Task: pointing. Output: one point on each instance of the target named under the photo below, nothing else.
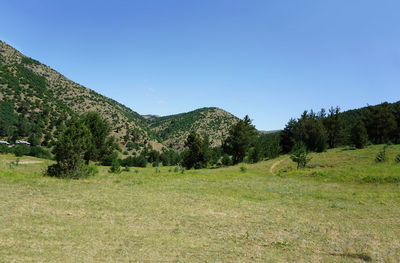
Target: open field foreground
(329, 213)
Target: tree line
(87, 138)
(318, 131)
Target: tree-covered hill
(173, 130)
(35, 100)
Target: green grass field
(328, 213)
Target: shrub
(115, 167)
(39, 152)
(56, 170)
(381, 156)
(300, 155)
(226, 160)
(179, 168)
(397, 159)
(21, 150)
(3, 148)
(139, 161)
(108, 159)
(243, 169)
(91, 170)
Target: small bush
(381, 157)
(139, 161)
(115, 167)
(91, 169)
(56, 170)
(3, 148)
(39, 152)
(243, 169)
(226, 160)
(300, 155)
(179, 168)
(21, 150)
(381, 179)
(397, 159)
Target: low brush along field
(346, 208)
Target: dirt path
(271, 169)
(26, 162)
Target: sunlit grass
(216, 215)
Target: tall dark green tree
(101, 144)
(334, 127)
(197, 154)
(70, 151)
(381, 123)
(288, 136)
(308, 129)
(312, 132)
(270, 144)
(359, 135)
(242, 136)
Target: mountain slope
(41, 98)
(174, 129)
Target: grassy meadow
(346, 208)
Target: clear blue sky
(268, 59)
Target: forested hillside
(318, 131)
(35, 100)
(174, 129)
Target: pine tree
(381, 124)
(242, 136)
(197, 154)
(101, 144)
(334, 127)
(70, 150)
(359, 136)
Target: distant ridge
(173, 130)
